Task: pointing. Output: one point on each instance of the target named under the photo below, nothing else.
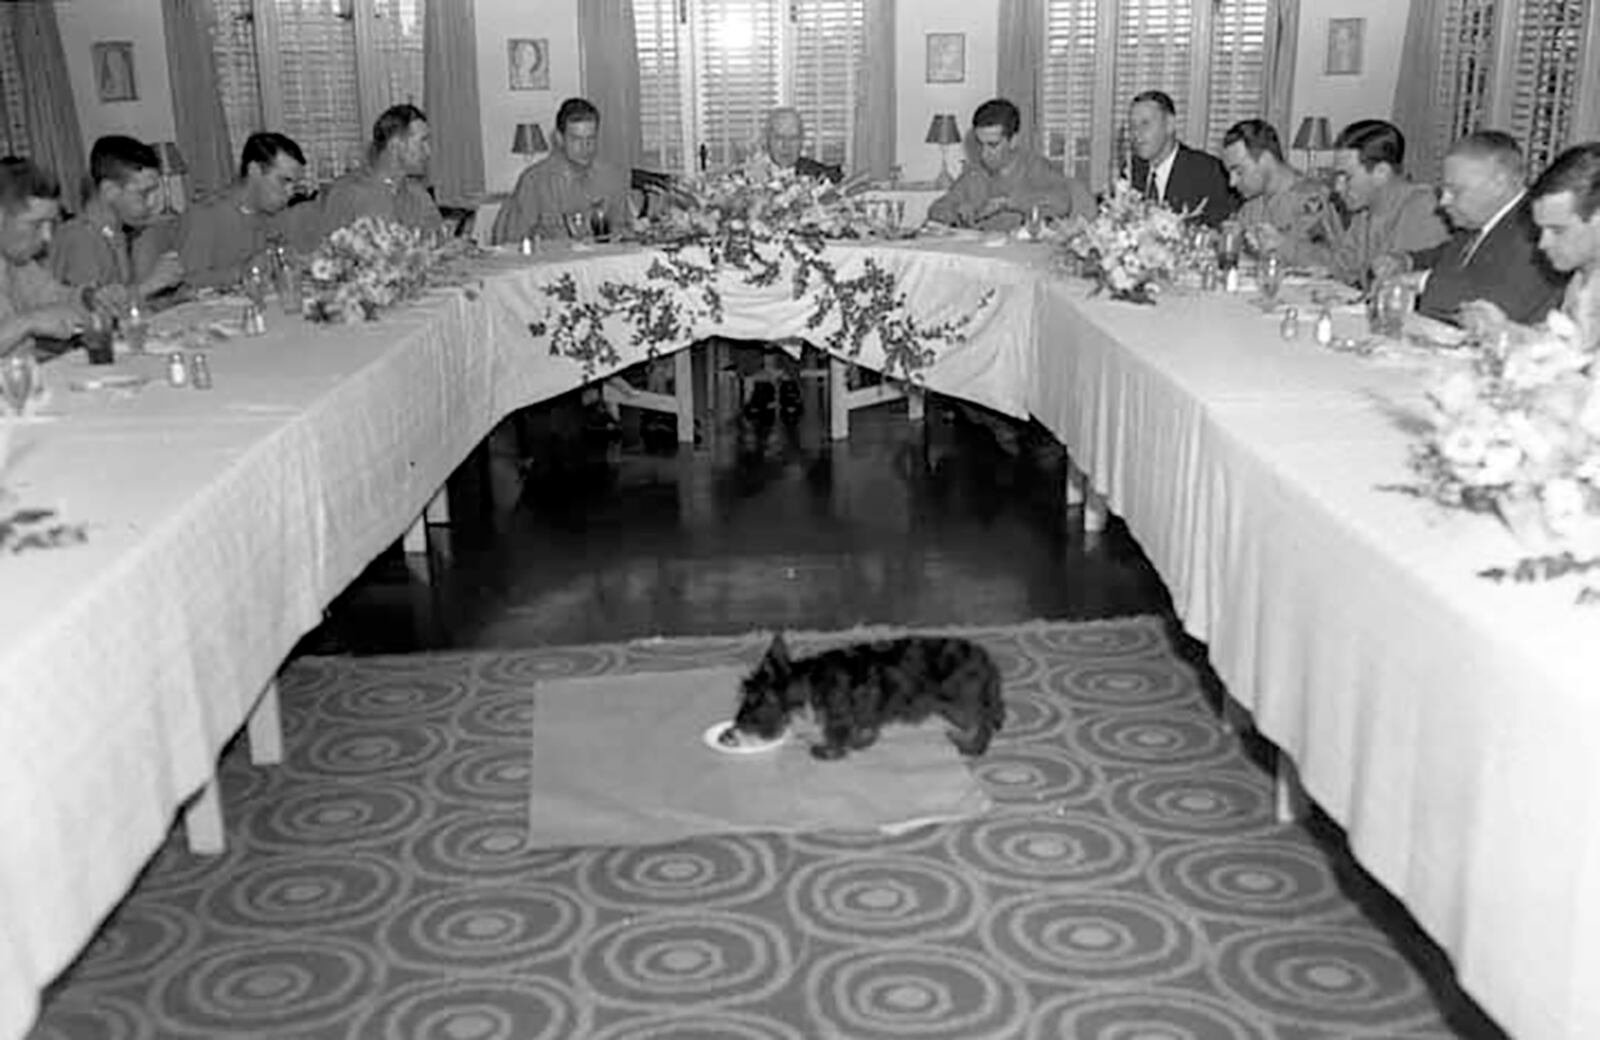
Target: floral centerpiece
(765, 202)
(364, 267)
(1518, 434)
(762, 226)
(1131, 248)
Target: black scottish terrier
(853, 691)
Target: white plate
(745, 747)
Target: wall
(86, 22)
(916, 101)
(1344, 99)
(503, 108)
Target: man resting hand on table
(999, 191)
(32, 302)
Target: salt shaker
(1323, 330)
(1290, 329)
(1230, 280)
(177, 369)
(254, 321)
(199, 371)
(529, 247)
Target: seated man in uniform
(94, 249)
(570, 180)
(32, 302)
(1284, 211)
(390, 186)
(220, 238)
(1008, 181)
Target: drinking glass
(97, 339)
(256, 284)
(1392, 302)
(599, 221)
(18, 377)
(577, 225)
(1271, 277)
(1230, 243)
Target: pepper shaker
(1323, 330)
(1290, 329)
(199, 371)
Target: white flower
(1564, 505)
(1499, 465)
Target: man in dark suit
(1493, 254)
(785, 137)
(1186, 179)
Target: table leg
(266, 728)
(683, 390)
(1284, 796)
(1077, 480)
(437, 510)
(838, 400)
(916, 403)
(202, 821)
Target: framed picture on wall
(1346, 37)
(113, 71)
(529, 62)
(947, 58)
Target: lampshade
(943, 130)
(1313, 134)
(529, 140)
(171, 160)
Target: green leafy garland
(680, 291)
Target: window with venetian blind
(320, 71)
(1528, 67)
(13, 112)
(710, 70)
(1209, 55)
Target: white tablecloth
(221, 522)
(1450, 724)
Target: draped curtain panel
(1021, 57)
(609, 51)
(872, 147)
(450, 98)
(1277, 78)
(50, 112)
(202, 126)
(1416, 97)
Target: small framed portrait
(113, 71)
(529, 62)
(947, 58)
(1346, 38)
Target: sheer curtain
(873, 146)
(1416, 97)
(202, 127)
(49, 111)
(1022, 43)
(609, 51)
(1277, 77)
(450, 98)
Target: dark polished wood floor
(615, 535)
(767, 525)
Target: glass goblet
(256, 284)
(577, 225)
(1271, 277)
(1230, 243)
(18, 379)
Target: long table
(1450, 724)
(1444, 721)
(220, 524)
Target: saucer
(746, 746)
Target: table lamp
(944, 132)
(172, 170)
(529, 140)
(1313, 136)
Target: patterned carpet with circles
(1131, 883)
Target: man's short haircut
(263, 150)
(395, 122)
(116, 158)
(1494, 145)
(1159, 98)
(1257, 136)
(576, 110)
(784, 112)
(1576, 170)
(21, 180)
(1374, 141)
(998, 112)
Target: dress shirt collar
(1161, 171)
(1491, 224)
